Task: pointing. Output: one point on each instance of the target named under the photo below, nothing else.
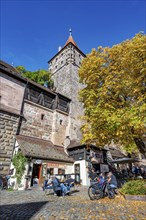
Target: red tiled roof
(71, 40)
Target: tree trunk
(141, 145)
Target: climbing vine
(19, 161)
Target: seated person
(59, 188)
(112, 180)
(70, 181)
(101, 180)
(56, 184)
(65, 189)
(93, 176)
(48, 183)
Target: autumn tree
(114, 94)
(40, 76)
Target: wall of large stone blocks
(37, 121)
(11, 94)
(64, 68)
(59, 127)
(8, 128)
(62, 80)
(66, 81)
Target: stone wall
(37, 121)
(66, 81)
(8, 128)
(59, 127)
(64, 68)
(51, 127)
(11, 94)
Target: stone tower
(64, 67)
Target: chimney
(59, 48)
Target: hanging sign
(56, 165)
(37, 162)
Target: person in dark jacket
(70, 181)
(112, 180)
(92, 175)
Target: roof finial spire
(70, 32)
(70, 39)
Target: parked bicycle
(97, 191)
(4, 182)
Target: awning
(125, 160)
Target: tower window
(42, 116)
(61, 121)
(56, 67)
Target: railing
(63, 177)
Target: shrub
(134, 187)
(19, 161)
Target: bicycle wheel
(93, 193)
(1, 185)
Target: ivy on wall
(19, 161)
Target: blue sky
(32, 30)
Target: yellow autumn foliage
(114, 95)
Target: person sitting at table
(70, 181)
(48, 183)
(59, 188)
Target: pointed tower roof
(70, 39)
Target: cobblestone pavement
(34, 204)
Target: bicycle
(98, 191)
